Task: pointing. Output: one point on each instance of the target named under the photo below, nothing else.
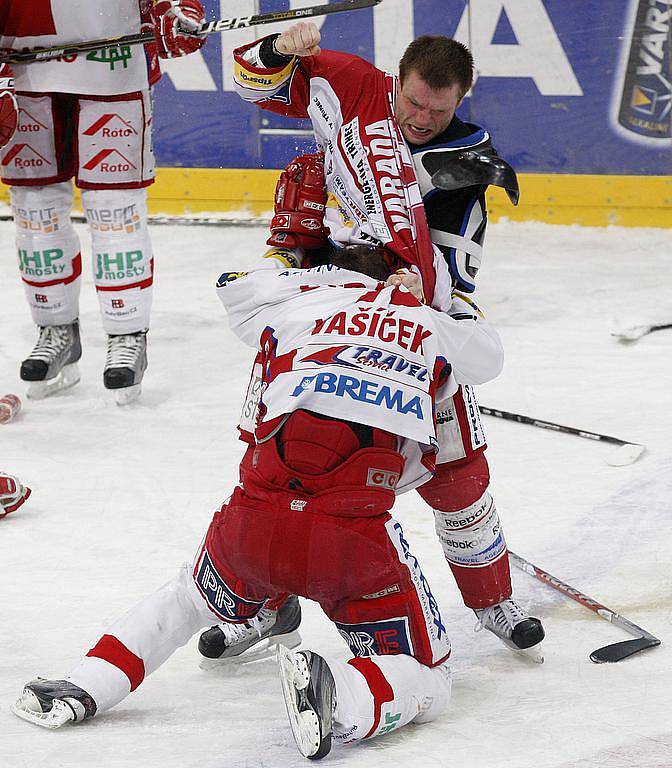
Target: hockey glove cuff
(12, 494)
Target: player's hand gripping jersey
(374, 197)
(341, 344)
(44, 23)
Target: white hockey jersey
(338, 343)
(28, 24)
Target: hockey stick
(628, 452)
(635, 332)
(207, 28)
(608, 653)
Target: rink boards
(576, 96)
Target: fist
(9, 109)
(410, 281)
(302, 39)
(171, 19)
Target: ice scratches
(645, 752)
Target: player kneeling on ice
(351, 369)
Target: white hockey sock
(49, 251)
(140, 641)
(471, 536)
(122, 257)
(379, 694)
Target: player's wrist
(269, 55)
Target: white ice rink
(122, 496)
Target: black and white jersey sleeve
(457, 218)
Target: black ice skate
(53, 703)
(514, 627)
(225, 642)
(52, 365)
(309, 691)
(125, 365)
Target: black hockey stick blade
(635, 332)
(609, 654)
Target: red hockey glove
(12, 494)
(300, 198)
(171, 19)
(9, 109)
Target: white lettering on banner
(538, 55)
(393, 30)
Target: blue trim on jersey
(465, 141)
(433, 191)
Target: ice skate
(512, 625)
(53, 703)
(225, 642)
(52, 365)
(310, 697)
(125, 365)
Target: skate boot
(125, 365)
(53, 703)
(309, 691)
(224, 642)
(52, 365)
(512, 625)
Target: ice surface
(122, 496)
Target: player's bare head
(435, 73)
(440, 62)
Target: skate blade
(261, 651)
(128, 395)
(532, 654)
(294, 677)
(60, 713)
(68, 377)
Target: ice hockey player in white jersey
(87, 116)
(350, 371)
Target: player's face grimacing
(422, 112)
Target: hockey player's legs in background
(105, 143)
(469, 528)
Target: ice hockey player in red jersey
(382, 143)
(12, 494)
(351, 368)
(87, 117)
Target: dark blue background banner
(551, 82)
